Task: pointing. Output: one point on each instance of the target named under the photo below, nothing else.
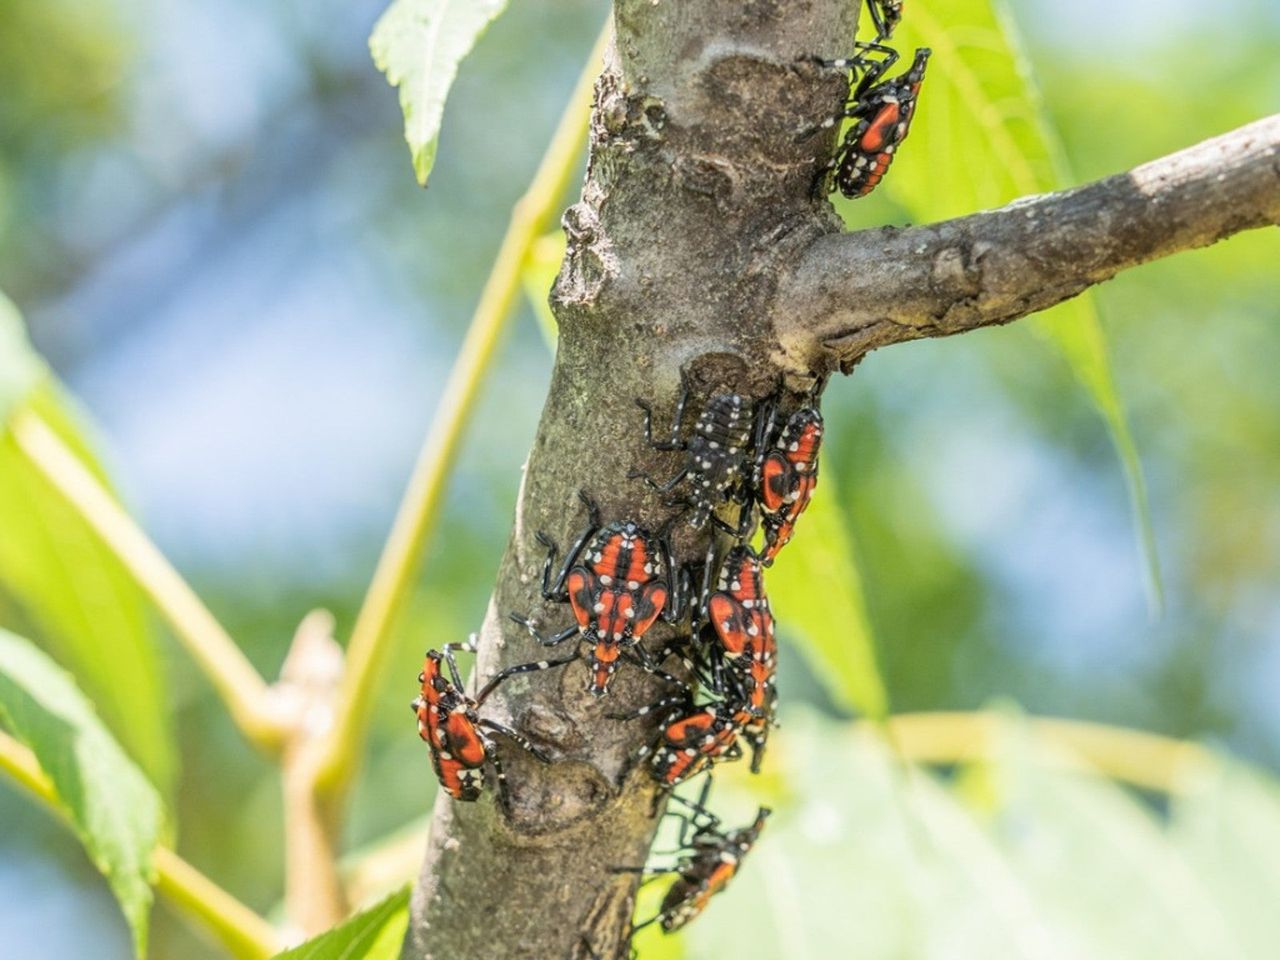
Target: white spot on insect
(605, 579)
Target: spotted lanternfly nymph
(742, 623)
(616, 580)
(882, 113)
(692, 738)
(712, 858)
(785, 477)
(455, 733)
(718, 452)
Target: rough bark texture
(696, 198)
(858, 291)
(698, 244)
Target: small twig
(416, 518)
(245, 934)
(232, 675)
(309, 682)
(1146, 760)
(855, 292)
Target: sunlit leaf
(69, 589)
(816, 591)
(374, 934)
(418, 44)
(1100, 860)
(1226, 823)
(20, 368)
(872, 860)
(981, 138)
(113, 808)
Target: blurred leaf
(60, 68)
(816, 591)
(873, 860)
(20, 368)
(1100, 861)
(541, 268)
(374, 934)
(980, 139)
(1226, 823)
(71, 589)
(418, 44)
(115, 811)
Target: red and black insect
(786, 474)
(692, 737)
(617, 581)
(882, 113)
(742, 623)
(718, 451)
(711, 858)
(455, 733)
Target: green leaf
(374, 934)
(418, 44)
(1226, 823)
(816, 591)
(20, 368)
(1100, 860)
(869, 859)
(114, 809)
(71, 591)
(981, 138)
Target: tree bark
(854, 292)
(698, 245)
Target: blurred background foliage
(208, 219)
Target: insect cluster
(881, 108)
(753, 460)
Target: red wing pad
(652, 599)
(776, 481)
(583, 588)
(726, 618)
(880, 131)
(464, 740)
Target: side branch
(854, 292)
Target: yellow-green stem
(232, 675)
(245, 934)
(394, 577)
(1146, 760)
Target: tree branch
(854, 292)
(697, 195)
(699, 249)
